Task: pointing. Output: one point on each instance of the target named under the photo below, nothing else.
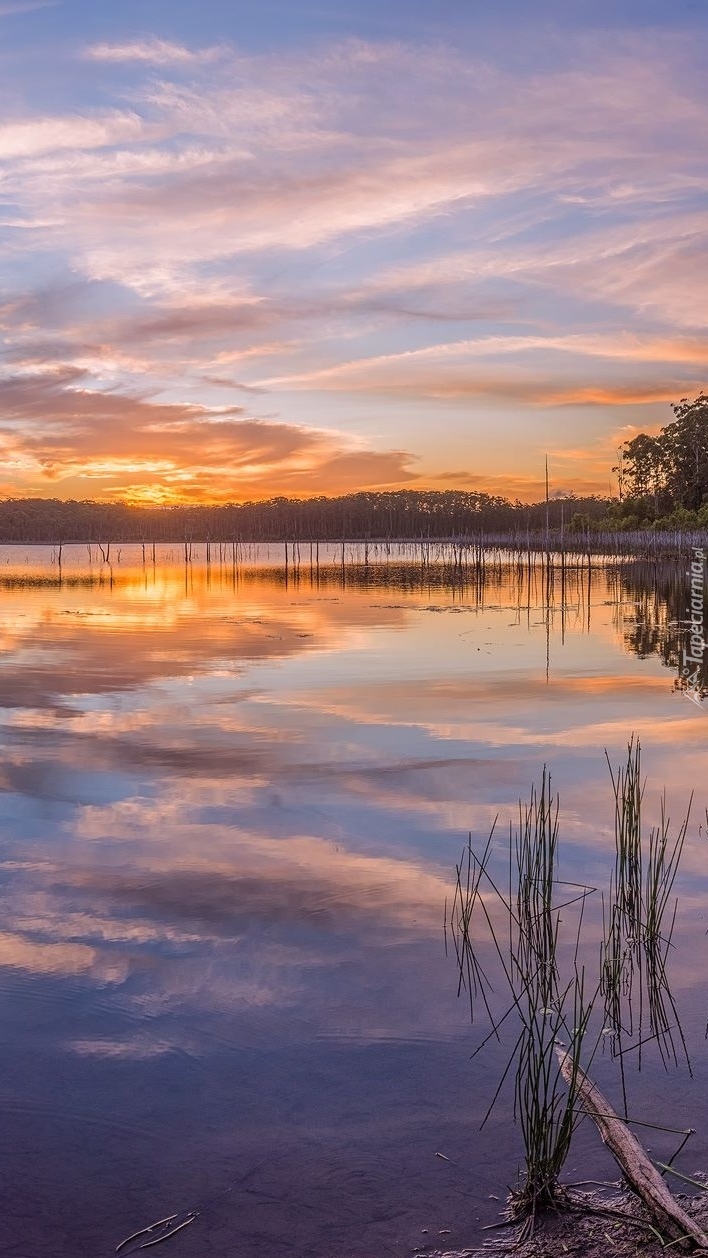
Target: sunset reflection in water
(232, 799)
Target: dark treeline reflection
(656, 625)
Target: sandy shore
(591, 1228)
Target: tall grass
(536, 956)
(639, 923)
(523, 926)
(628, 792)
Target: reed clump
(523, 924)
(638, 923)
(533, 928)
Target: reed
(536, 945)
(639, 924)
(523, 926)
(628, 792)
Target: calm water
(232, 800)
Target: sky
(252, 249)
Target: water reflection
(659, 594)
(232, 797)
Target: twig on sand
(639, 1171)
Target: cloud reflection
(222, 796)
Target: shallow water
(232, 800)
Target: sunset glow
(267, 250)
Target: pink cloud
(155, 51)
(548, 371)
(27, 138)
(240, 215)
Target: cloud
(14, 8)
(330, 208)
(527, 488)
(375, 166)
(546, 371)
(28, 138)
(652, 265)
(227, 382)
(156, 51)
(39, 957)
(134, 1048)
(57, 428)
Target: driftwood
(640, 1173)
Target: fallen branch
(639, 1172)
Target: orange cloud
(525, 488)
(514, 383)
(57, 429)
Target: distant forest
(662, 483)
(408, 513)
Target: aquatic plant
(523, 925)
(637, 926)
(533, 946)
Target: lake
(233, 796)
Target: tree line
(406, 514)
(662, 481)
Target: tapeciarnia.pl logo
(693, 653)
